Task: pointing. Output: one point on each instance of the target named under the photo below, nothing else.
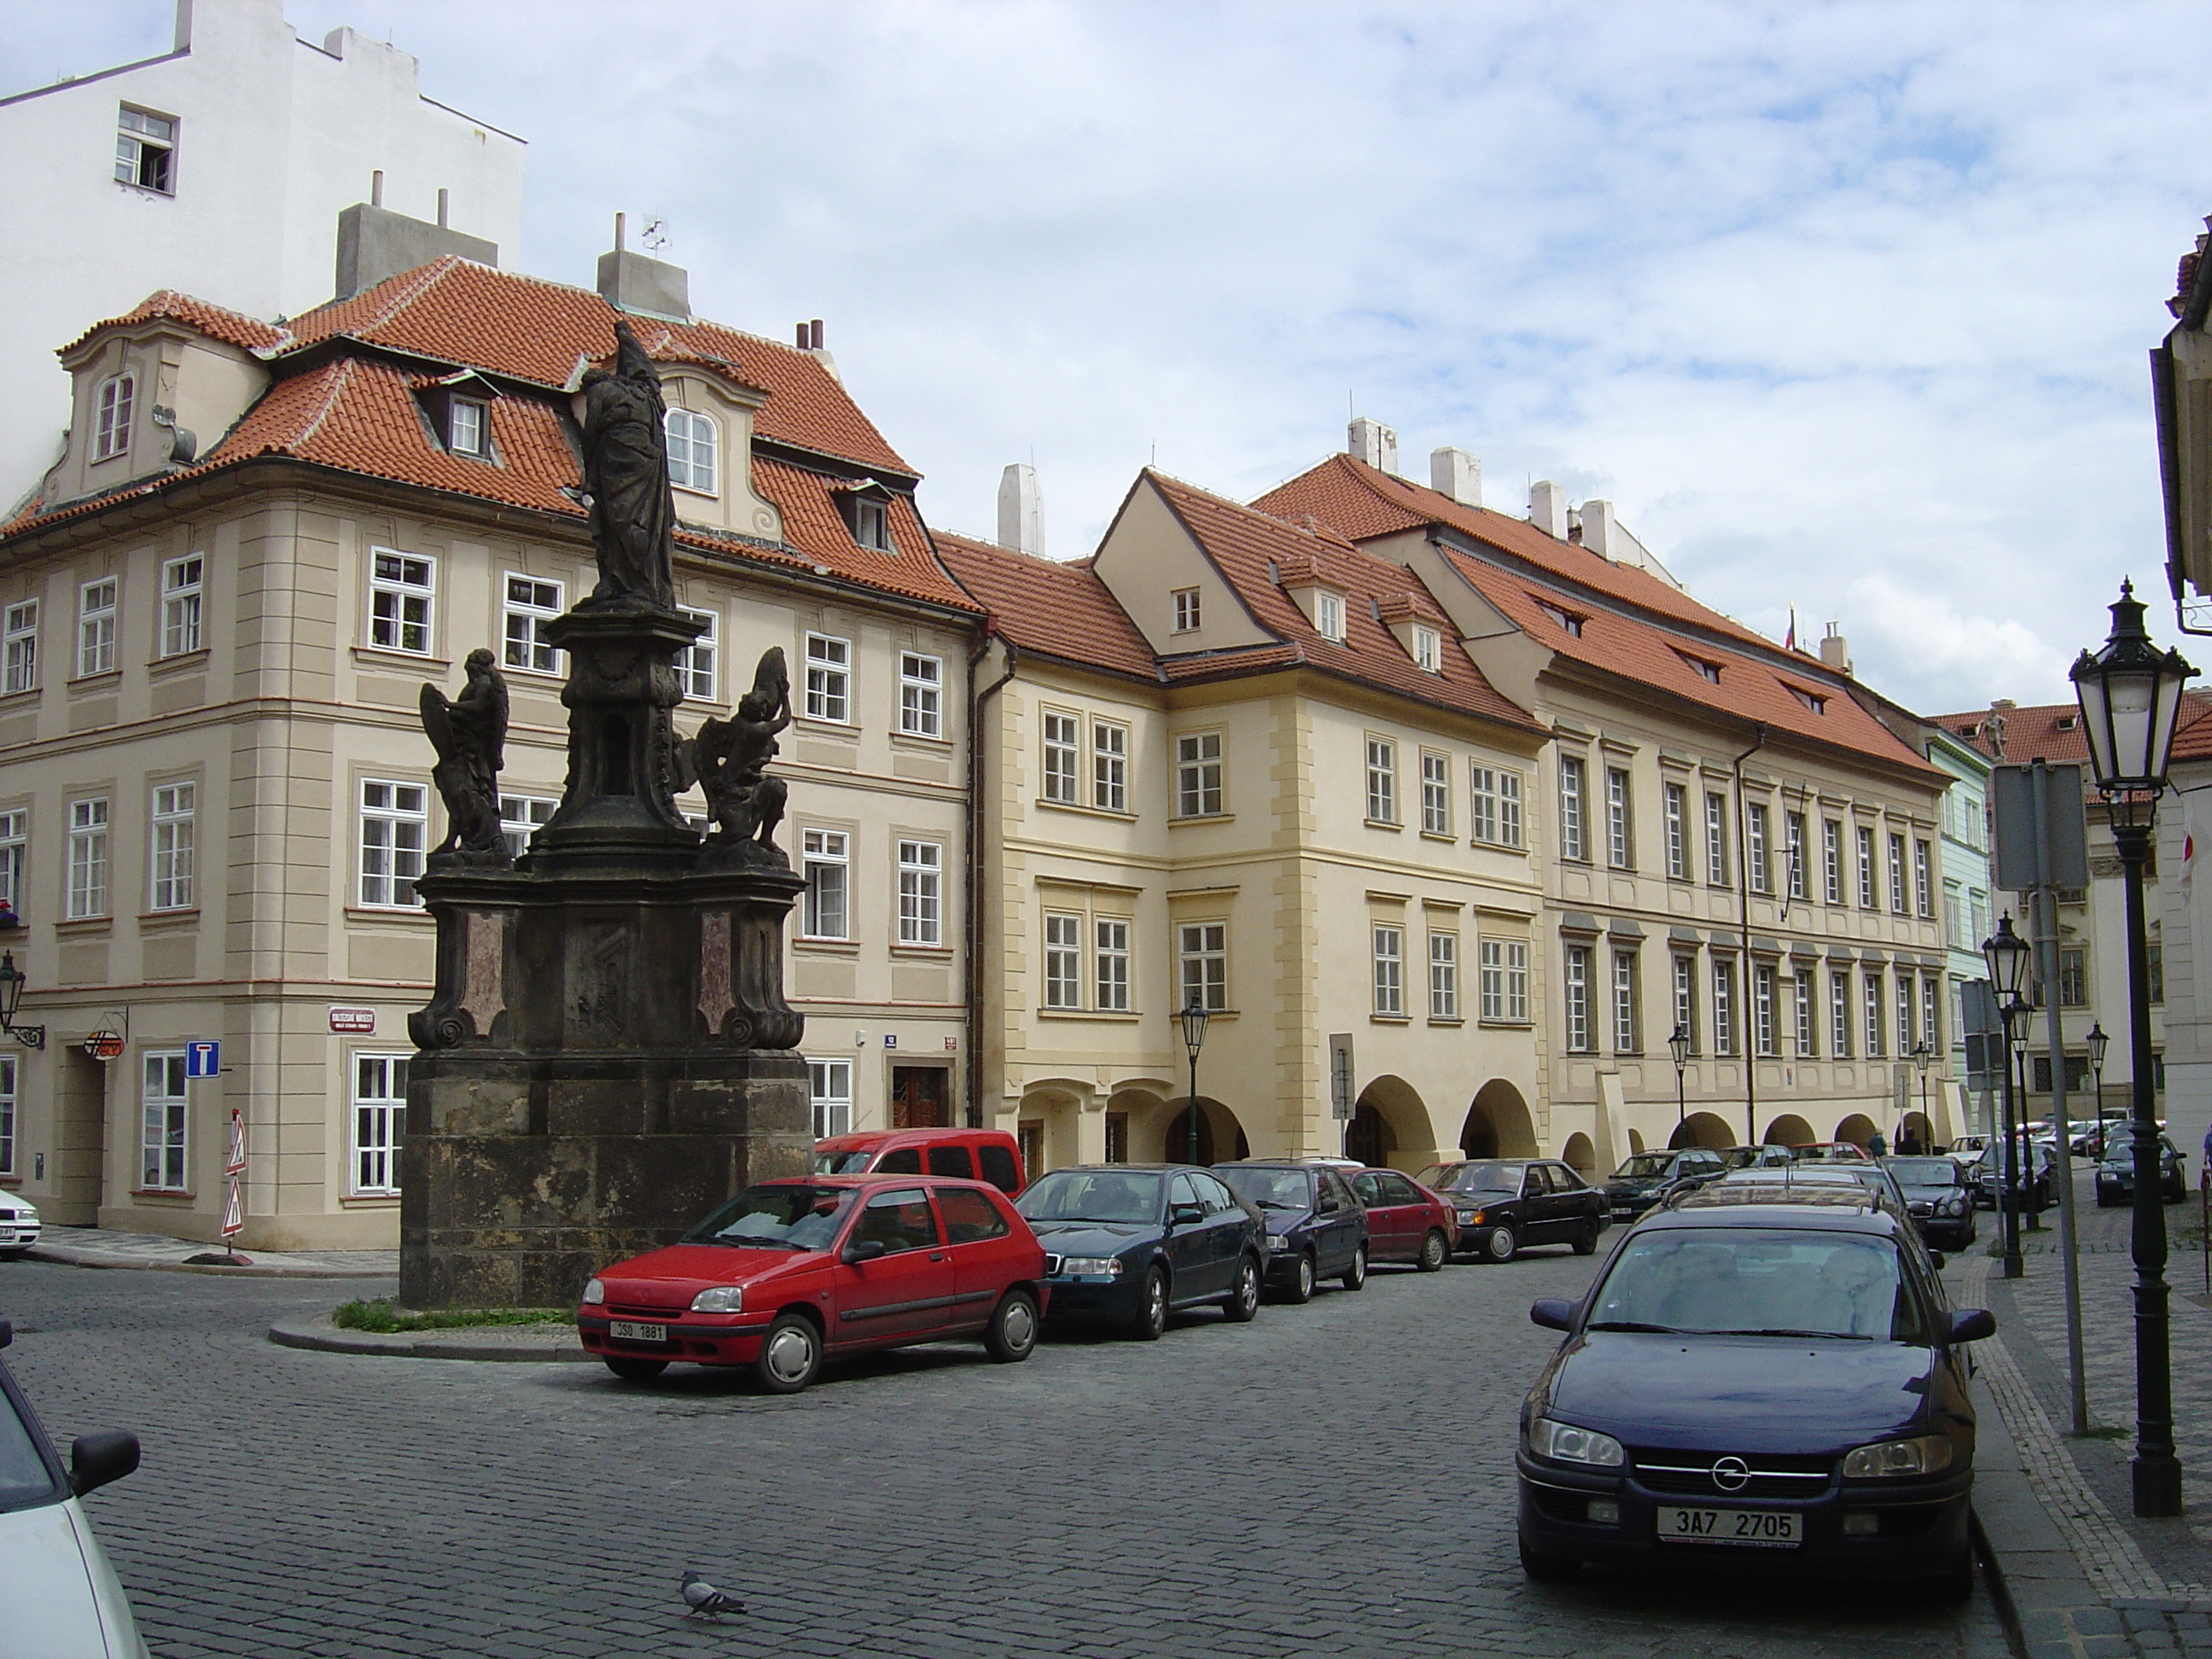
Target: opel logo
(1731, 1473)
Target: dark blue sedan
(1761, 1375)
(1316, 1226)
(1127, 1243)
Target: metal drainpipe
(1743, 912)
(974, 926)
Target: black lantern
(1679, 1046)
(12, 980)
(1924, 1056)
(2006, 952)
(1194, 1017)
(2130, 694)
(2098, 1039)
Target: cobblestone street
(1330, 1479)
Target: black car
(1503, 1203)
(1936, 1197)
(1647, 1177)
(2036, 1174)
(1316, 1227)
(1126, 1242)
(2115, 1174)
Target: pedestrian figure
(1876, 1145)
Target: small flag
(1790, 642)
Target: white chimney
(1455, 473)
(1021, 510)
(1598, 527)
(1373, 443)
(1547, 508)
(1835, 651)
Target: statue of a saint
(731, 759)
(626, 472)
(470, 735)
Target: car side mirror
(1554, 1313)
(1972, 1324)
(863, 1249)
(97, 1458)
(1186, 1215)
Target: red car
(1405, 1222)
(791, 1272)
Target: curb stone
(78, 1257)
(528, 1344)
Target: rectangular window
(95, 627)
(1831, 860)
(1113, 936)
(920, 893)
(1807, 1043)
(1198, 774)
(1977, 912)
(1486, 805)
(1109, 767)
(1755, 837)
(1873, 988)
(1904, 1015)
(1793, 831)
(19, 647)
(922, 695)
(1061, 734)
(1202, 960)
(468, 428)
(161, 1124)
(2073, 976)
(1619, 832)
(1867, 900)
(111, 429)
(829, 1082)
(88, 859)
(1627, 1039)
(1678, 832)
(531, 605)
(1923, 888)
(693, 442)
(1717, 865)
(1490, 956)
(698, 665)
(394, 825)
(8, 1116)
(380, 1119)
(872, 525)
(1428, 650)
(1382, 781)
(1839, 1015)
(401, 587)
(1578, 966)
(1516, 981)
(1329, 616)
(172, 846)
(180, 604)
(1723, 1007)
(1444, 975)
(826, 854)
(14, 846)
(1930, 1033)
(1685, 999)
(1186, 611)
(145, 152)
(828, 678)
(1063, 960)
(1762, 1011)
(1573, 775)
(2158, 973)
(1897, 875)
(521, 816)
(1390, 971)
(1504, 980)
(1436, 794)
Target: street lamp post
(2130, 697)
(2098, 1039)
(2006, 953)
(1679, 1046)
(12, 979)
(1194, 1018)
(1923, 1056)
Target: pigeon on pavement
(702, 1597)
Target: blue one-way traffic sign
(203, 1059)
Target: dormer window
(1428, 650)
(693, 446)
(1708, 671)
(2068, 722)
(1186, 610)
(1329, 615)
(1565, 621)
(468, 427)
(111, 426)
(1813, 701)
(146, 150)
(872, 525)
(456, 411)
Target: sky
(1842, 306)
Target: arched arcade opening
(1790, 1130)
(1497, 1124)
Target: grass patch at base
(2104, 1431)
(382, 1316)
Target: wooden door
(918, 1096)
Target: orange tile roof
(1055, 610)
(2032, 733)
(250, 333)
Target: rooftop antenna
(655, 234)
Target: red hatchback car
(789, 1273)
(1405, 1222)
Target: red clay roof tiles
(1056, 609)
(250, 333)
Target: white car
(61, 1598)
(19, 1227)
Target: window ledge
(169, 1193)
(103, 682)
(10, 1181)
(184, 662)
(921, 740)
(358, 916)
(1507, 1025)
(1111, 1015)
(1446, 1019)
(1390, 1019)
(84, 926)
(1498, 847)
(828, 728)
(826, 947)
(1438, 835)
(169, 921)
(938, 952)
(385, 656)
(1081, 810)
(1391, 824)
(29, 694)
(368, 1201)
(1202, 817)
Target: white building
(219, 168)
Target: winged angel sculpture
(470, 735)
(729, 760)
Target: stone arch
(1498, 1123)
(1916, 1127)
(1580, 1155)
(1703, 1129)
(1220, 1136)
(1049, 1124)
(1857, 1128)
(1141, 1113)
(1390, 1117)
(1790, 1130)
(1635, 1140)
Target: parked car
(19, 1226)
(1966, 1150)
(59, 1598)
(1316, 1228)
(1128, 1242)
(2036, 1175)
(1503, 1203)
(1937, 1197)
(1759, 1157)
(790, 1273)
(1757, 1379)
(1405, 1222)
(991, 1155)
(1832, 1151)
(1647, 1177)
(2115, 1173)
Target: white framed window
(1436, 794)
(8, 1114)
(1112, 934)
(468, 427)
(1577, 973)
(1897, 875)
(111, 417)
(1494, 805)
(1793, 831)
(1062, 735)
(1867, 900)
(920, 893)
(1923, 885)
(831, 1083)
(19, 647)
(1390, 971)
(1428, 650)
(827, 855)
(698, 665)
(1723, 1007)
(1808, 1043)
(1444, 975)
(521, 816)
(1109, 767)
(1490, 955)
(1516, 981)
(1382, 781)
(1186, 610)
(1685, 999)
(145, 150)
(401, 589)
(531, 606)
(922, 695)
(1831, 860)
(395, 821)
(173, 841)
(1717, 865)
(1329, 615)
(180, 604)
(1904, 1015)
(1754, 835)
(1839, 1015)
(872, 525)
(162, 1123)
(1931, 1033)
(1202, 964)
(1873, 988)
(1677, 831)
(95, 627)
(1620, 828)
(1627, 1037)
(1574, 776)
(15, 848)
(828, 678)
(694, 451)
(1762, 1011)
(1198, 774)
(87, 858)
(1063, 960)
(380, 1120)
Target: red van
(991, 1155)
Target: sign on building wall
(354, 1022)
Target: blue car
(1762, 1375)
(1316, 1226)
(1127, 1243)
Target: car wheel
(634, 1370)
(1434, 1252)
(1549, 1569)
(1243, 1300)
(1356, 1275)
(14, 1256)
(1302, 1276)
(1496, 1243)
(1954, 1584)
(2104, 1200)
(1011, 1335)
(1586, 1240)
(1152, 1321)
(790, 1355)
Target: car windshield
(783, 1218)
(1746, 1157)
(1092, 1195)
(846, 1162)
(1923, 1171)
(1644, 1166)
(1480, 1178)
(1758, 1282)
(1271, 1189)
(24, 1478)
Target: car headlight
(1277, 1242)
(1954, 1205)
(595, 1292)
(1092, 1266)
(1929, 1454)
(1570, 1445)
(1473, 1217)
(721, 1298)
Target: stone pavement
(98, 1247)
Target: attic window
(1329, 615)
(1817, 704)
(867, 510)
(1708, 671)
(111, 430)
(1973, 731)
(1186, 610)
(468, 427)
(2068, 722)
(146, 150)
(694, 442)
(1567, 622)
(1428, 650)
